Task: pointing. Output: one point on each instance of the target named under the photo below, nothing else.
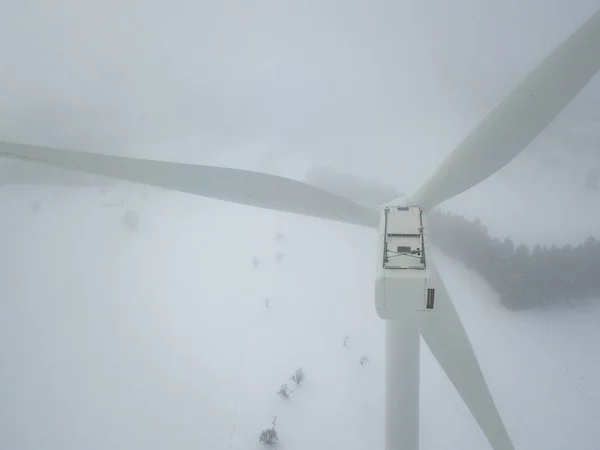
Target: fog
(177, 327)
(367, 88)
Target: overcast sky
(356, 84)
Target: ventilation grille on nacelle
(430, 298)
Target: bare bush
(298, 376)
(346, 341)
(131, 220)
(284, 391)
(269, 436)
(36, 206)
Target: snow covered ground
(162, 337)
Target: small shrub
(346, 341)
(298, 376)
(35, 206)
(131, 220)
(255, 261)
(364, 360)
(279, 256)
(279, 237)
(284, 391)
(269, 437)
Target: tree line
(525, 278)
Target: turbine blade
(447, 339)
(514, 123)
(232, 185)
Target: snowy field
(177, 334)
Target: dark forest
(525, 278)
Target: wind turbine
(409, 294)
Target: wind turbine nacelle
(402, 284)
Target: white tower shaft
(402, 384)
